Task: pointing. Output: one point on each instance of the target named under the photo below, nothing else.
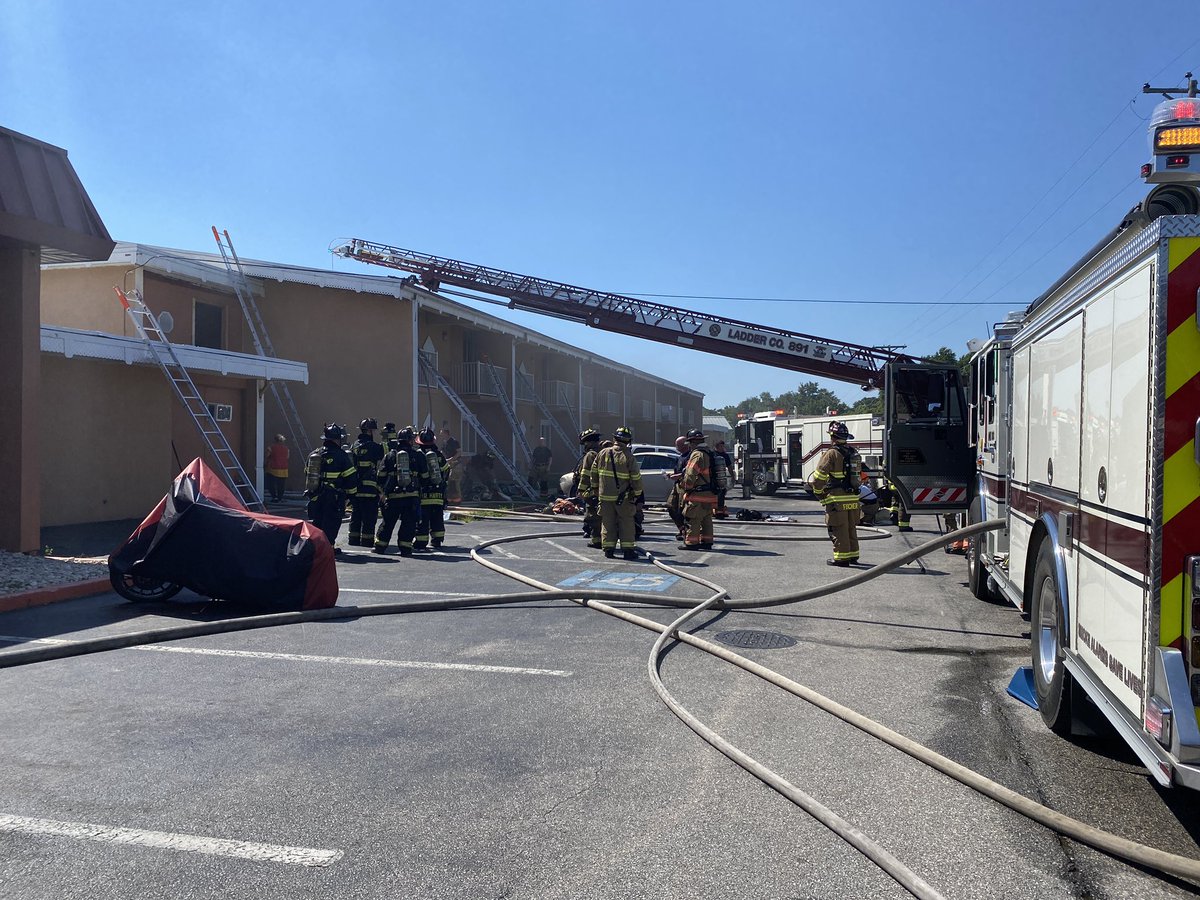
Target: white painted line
(166, 840)
(498, 549)
(568, 550)
(303, 657)
(355, 661)
(343, 590)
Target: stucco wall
(105, 438)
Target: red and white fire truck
(1085, 416)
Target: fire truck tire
(977, 576)
(761, 484)
(1052, 682)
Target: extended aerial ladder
(923, 453)
(471, 420)
(258, 334)
(641, 318)
(163, 353)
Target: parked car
(655, 465)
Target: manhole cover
(755, 640)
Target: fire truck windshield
(927, 396)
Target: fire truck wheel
(142, 590)
(1051, 681)
(977, 576)
(760, 484)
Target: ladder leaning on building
(163, 353)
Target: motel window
(208, 325)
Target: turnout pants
(617, 523)
(403, 510)
(432, 525)
(591, 521)
(675, 511)
(325, 510)
(698, 511)
(841, 518)
(364, 510)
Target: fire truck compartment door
(928, 454)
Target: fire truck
(774, 451)
(1085, 419)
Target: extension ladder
(571, 443)
(509, 412)
(258, 334)
(469, 417)
(185, 389)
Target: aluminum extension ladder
(465, 411)
(571, 443)
(164, 354)
(258, 334)
(507, 406)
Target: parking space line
(586, 559)
(305, 657)
(166, 840)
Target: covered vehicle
(200, 536)
(655, 466)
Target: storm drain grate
(755, 640)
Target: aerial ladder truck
(925, 407)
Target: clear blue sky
(813, 151)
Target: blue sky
(872, 151)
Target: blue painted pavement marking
(621, 581)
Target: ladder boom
(641, 318)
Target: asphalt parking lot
(520, 750)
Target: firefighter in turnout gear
(835, 483)
(675, 498)
(618, 483)
(432, 528)
(329, 479)
(702, 478)
(364, 508)
(539, 472)
(387, 435)
(898, 510)
(403, 471)
(585, 490)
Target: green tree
(872, 403)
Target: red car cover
(202, 537)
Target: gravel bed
(21, 572)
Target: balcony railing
(560, 393)
(473, 379)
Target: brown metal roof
(43, 203)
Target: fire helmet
(334, 432)
(588, 434)
(368, 425)
(428, 438)
(695, 436)
(405, 435)
(839, 432)
(623, 434)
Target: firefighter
(589, 439)
(675, 498)
(364, 508)
(329, 479)
(432, 529)
(898, 510)
(452, 450)
(835, 482)
(540, 461)
(953, 522)
(702, 478)
(403, 471)
(868, 500)
(388, 435)
(719, 450)
(618, 482)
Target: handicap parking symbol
(597, 579)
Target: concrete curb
(71, 591)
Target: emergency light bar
(1174, 134)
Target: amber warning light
(1183, 138)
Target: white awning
(71, 342)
